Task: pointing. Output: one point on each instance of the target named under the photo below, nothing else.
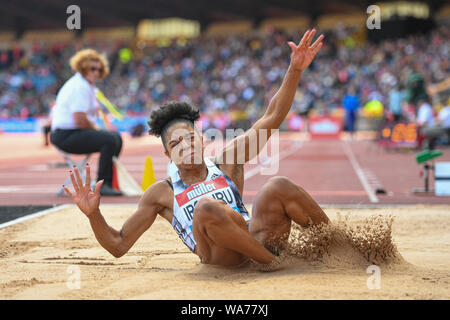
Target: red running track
(334, 172)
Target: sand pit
(38, 256)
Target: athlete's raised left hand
(303, 54)
(86, 200)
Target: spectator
(416, 88)
(351, 105)
(425, 117)
(396, 97)
(440, 129)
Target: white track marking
(41, 188)
(38, 167)
(359, 172)
(373, 180)
(34, 215)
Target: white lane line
(34, 215)
(359, 172)
(37, 188)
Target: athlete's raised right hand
(86, 200)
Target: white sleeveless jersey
(217, 185)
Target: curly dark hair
(162, 118)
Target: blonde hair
(79, 62)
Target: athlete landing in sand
(202, 197)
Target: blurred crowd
(234, 73)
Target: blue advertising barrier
(19, 125)
(34, 125)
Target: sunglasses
(93, 69)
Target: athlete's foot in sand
(280, 262)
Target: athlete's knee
(280, 180)
(209, 210)
(206, 204)
(281, 184)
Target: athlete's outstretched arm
(116, 242)
(279, 106)
(301, 57)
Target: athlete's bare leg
(278, 203)
(222, 236)
(221, 233)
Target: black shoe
(109, 191)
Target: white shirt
(425, 115)
(76, 95)
(444, 116)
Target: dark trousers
(79, 141)
(350, 121)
